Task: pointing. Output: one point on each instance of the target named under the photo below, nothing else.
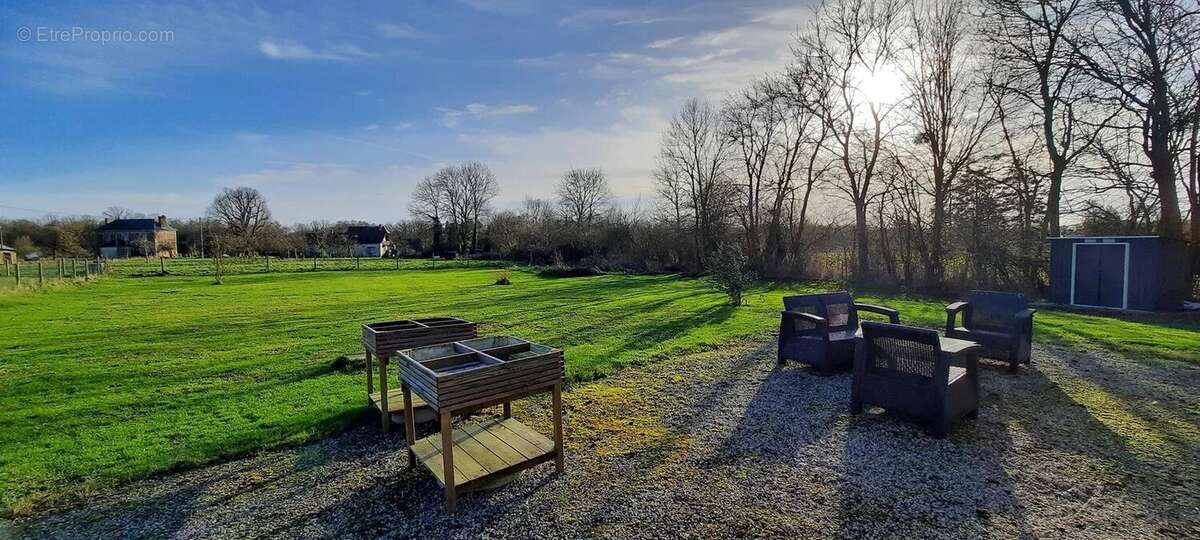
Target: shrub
(502, 277)
(730, 273)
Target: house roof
(7, 248)
(140, 224)
(367, 234)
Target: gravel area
(723, 444)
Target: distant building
(369, 240)
(8, 254)
(122, 238)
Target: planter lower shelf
(485, 452)
(395, 407)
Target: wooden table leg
(448, 462)
(558, 431)
(370, 373)
(507, 410)
(384, 415)
(410, 424)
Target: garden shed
(1125, 272)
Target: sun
(882, 86)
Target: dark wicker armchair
(819, 329)
(905, 371)
(1001, 322)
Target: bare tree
(243, 212)
(752, 122)
(428, 204)
(114, 213)
(1041, 70)
(583, 195)
(1143, 51)
(945, 79)
(479, 187)
(695, 153)
(847, 44)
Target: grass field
(123, 377)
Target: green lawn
(125, 377)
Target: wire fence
(188, 266)
(32, 274)
(35, 274)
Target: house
(122, 238)
(8, 254)
(369, 240)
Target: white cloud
(663, 43)
(400, 31)
(712, 63)
(294, 50)
(625, 151)
(500, 6)
(452, 117)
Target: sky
(336, 110)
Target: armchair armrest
(952, 312)
(892, 315)
(1024, 320)
(822, 326)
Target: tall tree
(583, 195)
(243, 212)
(427, 204)
(841, 55)
(479, 189)
(1041, 70)
(696, 153)
(1143, 51)
(945, 79)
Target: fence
(48, 271)
(187, 266)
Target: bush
(502, 277)
(730, 273)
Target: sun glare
(883, 86)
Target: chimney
(162, 222)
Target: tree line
(1007, 116)
(918, 143)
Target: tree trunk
(862, 258)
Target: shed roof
(7, 248)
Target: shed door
(1100, 275)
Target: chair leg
(1013, 365)
(941, 427)
(855, 406)
(973, 414)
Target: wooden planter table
(462, 377)
(382, 340)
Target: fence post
(356, 261)
(41, 280)
(314, 262)
(268, 264)
(74, 274)
(6, 268)
(18, 265)
(397, 261)
(87, 268)
(162, 265)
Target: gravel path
(722, 444)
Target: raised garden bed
(383, 339)
(464, 376)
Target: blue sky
(334, 111)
